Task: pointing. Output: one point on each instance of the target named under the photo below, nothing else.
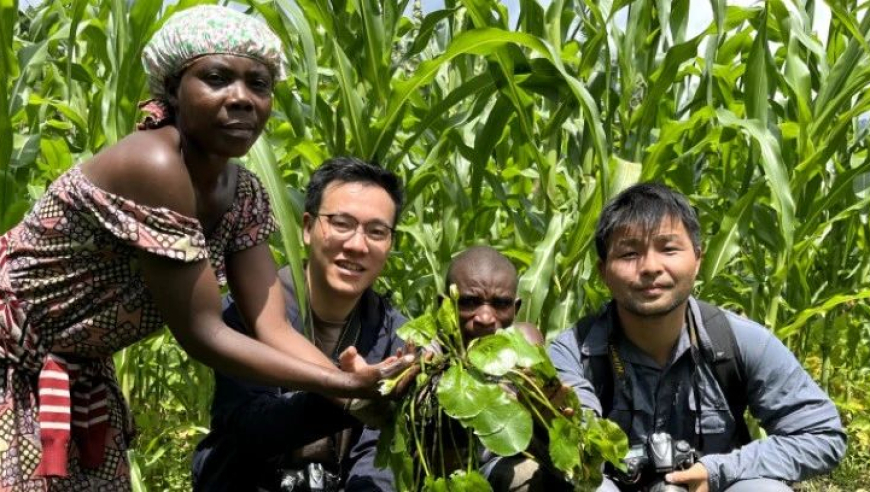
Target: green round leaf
(431, 484)
(528, 354)
(505, 428)
(493, 354)
(473, 481)
(462, 396)
(607, 437)
(564, 445)
(448, 322)
(422, 331)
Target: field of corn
(510, 130)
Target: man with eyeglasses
(269, 438)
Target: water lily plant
(494, 395)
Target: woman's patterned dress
(71, 287)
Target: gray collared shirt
(805, 436)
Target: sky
(700, 14)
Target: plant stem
(439, 437)
(471, 449)
(417, 440)
(536, 391)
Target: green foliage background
(510, 134)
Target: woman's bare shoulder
(146, 167)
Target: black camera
(648, 463)
(313, 478)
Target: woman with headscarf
(143, 234)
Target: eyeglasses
(470, 303)
(344, 227)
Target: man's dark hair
(352, 170)
(645, 205)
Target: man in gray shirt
(653, 337)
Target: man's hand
(558, 396)
(695, 478)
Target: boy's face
(651, 274)
(343, 259)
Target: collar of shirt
(596, 342)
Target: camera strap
(622, 379)
(696, 376)
(624, 382)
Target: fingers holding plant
(367, 378)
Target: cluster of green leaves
(497, 390)
(169, 394)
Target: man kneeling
(659, 362)
(268, 438)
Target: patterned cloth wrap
(70, 284)
(12, 317)
(208, 30)
(72, 294)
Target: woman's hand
(366, 377)
(373, 409)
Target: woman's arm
(188, 297)
(147, 168)
(253, 280)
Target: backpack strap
(724, 355)
(596, 368)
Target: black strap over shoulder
(724, 357)
(597, 369)
(371, 311)
(726, 365)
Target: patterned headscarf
(208, 30)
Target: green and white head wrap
(208, 30)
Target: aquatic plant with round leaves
(491, 396)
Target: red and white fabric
(70, 406)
